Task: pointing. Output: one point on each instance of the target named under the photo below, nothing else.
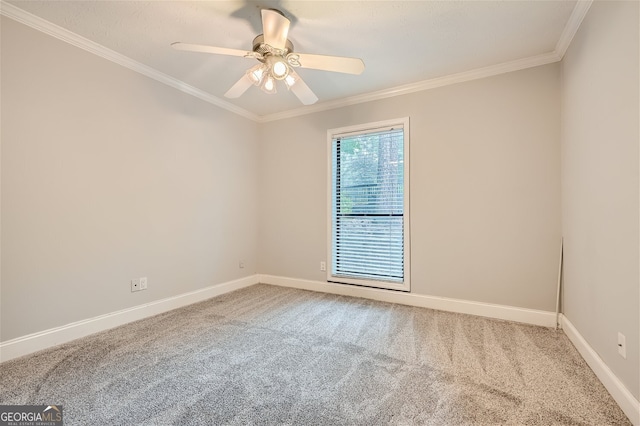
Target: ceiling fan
(277, 60)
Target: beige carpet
(271, 355)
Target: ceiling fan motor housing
(263, 49)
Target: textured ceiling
(401, 42)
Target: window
(368, 205)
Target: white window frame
(363, 128)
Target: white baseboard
(55, 336)
(510, 313)
(625, 399)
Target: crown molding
(575, 19)
(579, 12)
(37, 23)
(447, 80)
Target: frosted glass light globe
(279, 69)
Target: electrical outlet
(135, 285)
(323, 266)
(622, 345)
(241, 264)
(143, 283)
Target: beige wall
(107, 176)
(485, 188)
(600, 135)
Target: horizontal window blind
(368, 205)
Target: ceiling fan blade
(275, 28)
(239, 88)
(302, 91)
(209, 49)
(330, 63)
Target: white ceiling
(401, 42)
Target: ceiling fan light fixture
(290, 80)
(279, 67)
(269, 85)
(256, 74)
